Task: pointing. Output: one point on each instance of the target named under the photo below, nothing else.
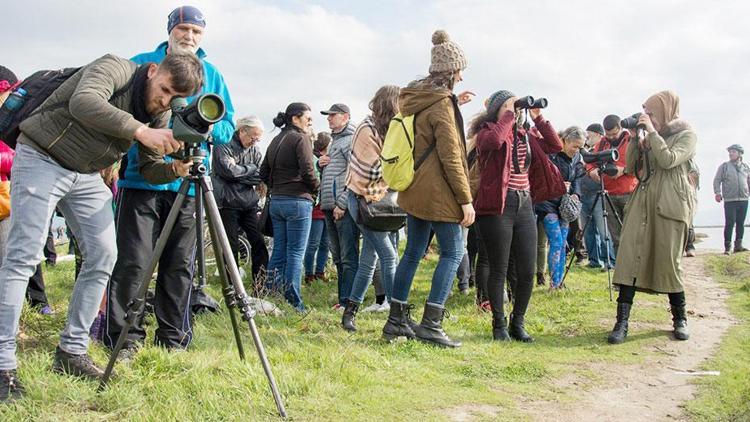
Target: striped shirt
(519, 181)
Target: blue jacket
(222, 131)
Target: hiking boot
(679, 322)
(738, 246)
(540, 280)
(517, 330)
(350, 312)
(727, 248)
(620, 331)
(11, 388)
(430, 330)
(76, 365)
(398, 324)
(500, 328)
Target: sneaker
(690, 253)
(375, 307)
(322, 277)
(127, 354)
(464, 291)
(11, 388)
(337, 307)
(45, 310)
(485, 306)
(76, 365)
(384, 307)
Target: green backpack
(397, 156)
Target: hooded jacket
(441, 183)
(86, 128)
(333, 176)
(132, 175)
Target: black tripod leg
(607, 238)
(573, 256)
(135, 307)
(219, 238)
(201, 244)
(227, 290)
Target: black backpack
(39, 86)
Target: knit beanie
(447, 56)
(596, 128)
(185, 14)
(497, 100)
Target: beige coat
(659, 212)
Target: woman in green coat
(658, 215)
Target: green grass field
(325, 373)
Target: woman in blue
(568, 161)
(288, 172)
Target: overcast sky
(589, 58)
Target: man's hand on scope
(160, 140)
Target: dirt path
(655, 389)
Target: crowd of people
(505, 200)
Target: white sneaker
(385, 307)
(375, 307)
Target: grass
(325, 373)
(727, 397)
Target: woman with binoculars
(514, 168)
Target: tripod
(601, 196)
(234, 292)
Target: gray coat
(235, 171)
(732, 181)
(88, 129)
(333, 176)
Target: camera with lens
(630, 122)
(191, 124)
(528, 102)
(605, 160)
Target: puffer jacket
(333, 176)
(85, 128)
(236, 170)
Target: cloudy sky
(589, 58)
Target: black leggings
(627, 293)
(511, 234)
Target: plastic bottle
(14, 102)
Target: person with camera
(591, 210)
(514, 168)
(364, 181)
(732, 185)
(105, 107)
(148, 188)
(236, 168)
(287, 170)
(552, 211)
(659, 213)
(439, 197)
(619, 185)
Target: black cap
(596, 127)
(337, 108)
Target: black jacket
(235, 172)
(287, 168)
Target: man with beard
(89, 122)
(148, 189)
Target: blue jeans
(557, 233)
(451, 245)
(316, 255)
(291, 218)
(343, 240)
(38, 185)
(596, 245)
(375, 245)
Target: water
(714, 241)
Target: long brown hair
(384, 106)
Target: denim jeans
(449, 239)
(375, 245)
(594, 235)
(316, 254)
(734, 219)
(557, 233)
(343, 240)
(291, 217)
(38, 185)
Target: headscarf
(664, 107)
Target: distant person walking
(732, 185)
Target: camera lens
(210, 108)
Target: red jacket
(626, 183)
(493, 144)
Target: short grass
(325, 373)
(727, 397)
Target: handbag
(381, 216)
(570, 207)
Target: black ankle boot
(517, 330)
(397, 324)
(620, 331)
(679, 322)
(350, 312)
(738, 246)
(500, 328)
(727, 248)
(430, 330)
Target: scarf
(664, 107)
(139, 88)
